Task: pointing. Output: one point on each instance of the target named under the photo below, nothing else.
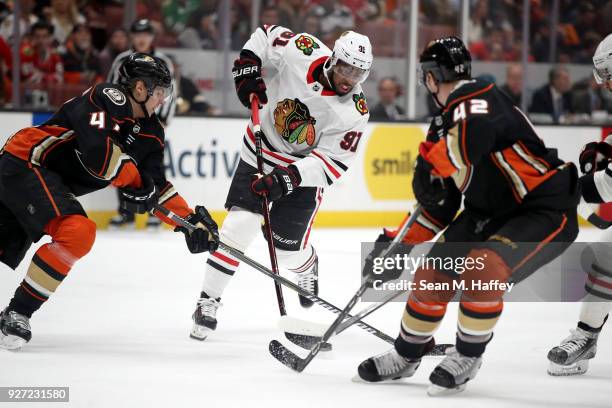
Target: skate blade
(358, 379)
(11, 342)
(436, 391)
(199, 332)
(578, 368)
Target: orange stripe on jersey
(533, 156)
(463, 144)
(431, 219)
(544, 242)
(530, 176)
(21, 143)
(42, 181)
(157, 139)
(128, 176)
(462, 98)
(438, 157)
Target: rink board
(202, 153)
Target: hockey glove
(594, 156)
(205, 237)
(139, 200)
(279, 183)
(428, 189)
(247, 78)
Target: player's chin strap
(326, 70)
(142, 104)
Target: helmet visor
(352, 74)
(162, 92)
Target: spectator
(202, 32)
(291, 14)
(26, 20)
(334, 17)
(40, 62)
(81, 62)
(177, 13)
(311, 25)
(589, 97)
(189, 98)
(270, 16)
(387, 109)
(117, 43)
(553, 98)
(5, 64)
(64, 15)
(514, 83)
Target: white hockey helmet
(602, 61)
(355, 51)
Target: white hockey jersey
(304, 124)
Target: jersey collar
(317, 65)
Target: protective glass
(351, 73)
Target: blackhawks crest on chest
(306, 44)
(360, 103)
(293, 122)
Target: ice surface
(116, 332)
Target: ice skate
(14, 330)
(309, 281)
(452, 374)
(386, 366)
(122, 221)
(572, 356)
(204, 317)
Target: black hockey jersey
(493, 155)
(94, 140)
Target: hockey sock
(593, 315)
(297, 261)
(475, 326)
(419, 323)
(72, 238)
(220, 267)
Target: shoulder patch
(360, 103)
(306, 44)
(116, 96)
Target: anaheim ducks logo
(306, 44)
(360, 103)
(293, 122)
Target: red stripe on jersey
(269, 153)
(329, 166)
(319, 200)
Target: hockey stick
(292, 360)
(438, 349)
(302, 340)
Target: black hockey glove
(205, 237)
(279, 183)
(594, 156)
(374, 272)
(247, 78)
(139, 200)
(428, 189)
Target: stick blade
(285, 356)
(307, 342)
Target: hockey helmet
(355, 51)
(142, 25)
(447, 59)
(147, 68)
(602, 61)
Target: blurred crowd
(66, 45)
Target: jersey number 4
(476, 106)
(350, 141)
(97, 119)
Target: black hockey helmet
(447, 59)
(149, 69)
(142, 25)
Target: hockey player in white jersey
(572, 356)
(313, 115)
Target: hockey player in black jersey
(108, 135)
(517, 195)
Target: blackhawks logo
(306, 44)
(360, 103)
(293, 122)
